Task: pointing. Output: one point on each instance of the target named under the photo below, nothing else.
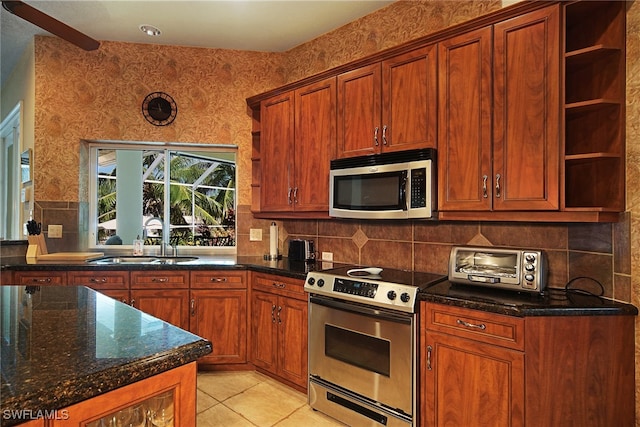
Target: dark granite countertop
(62, 345)
(554, 302)
(284, 267)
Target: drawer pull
(160, 279)
(98, 280)
(218, 279)
(279, 285)
(45, 280)
(481, 326)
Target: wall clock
(159, 109)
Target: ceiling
(258, 25)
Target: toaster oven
(511, 269)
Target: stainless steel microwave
(396, 185)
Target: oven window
(363, 351)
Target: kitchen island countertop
(62, 345)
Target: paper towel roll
(273, 241)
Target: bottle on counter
(138, 246)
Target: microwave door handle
(403, 191)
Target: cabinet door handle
(384, 135)
(497, 185)
(481, 326)
(484, 186)
(160, 279)
(218, 279)
(295, 195)
(273, 313)
(289, 195)
(133, 302)
(193, 307)
(429, 350)
(375, 136)
(279, 318)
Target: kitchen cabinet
(499, 142)
(472, 360)
(279, 328)
(594, 109)
(388, 106)
(219, 313)
(476, 368)
(178, 385)
(297, 141)
(162, 294)
(40, 278)
(6, 277)
(111, 283)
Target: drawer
(279, 285)
(218, 279)
(40, 278)
(491, 328)
(99, 279)
(158, 279)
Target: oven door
(365, 350)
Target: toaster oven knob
(320, 283)
(405, 297)
(391, 295)
(311, 281)
(530, 257)
(529, 267)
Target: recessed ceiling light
(150, 30)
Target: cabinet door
(221, 317)
(276, 152)
(464, 122)
(527, 112)
(170, 305)
(121, 295)
(409, 101)
(468, 383)
(315, 144)
(292, 331)
(264, 333)
(359, 110)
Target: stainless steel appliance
(301, 250)
(511, 269)
(362, 344)
(396, 185)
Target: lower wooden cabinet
(477, 367)
(40, 278)
(174, 390)
(111, 283)
(218, 308)
(279, 328)
(170, 305)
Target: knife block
(37, 246)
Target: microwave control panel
(418, 188)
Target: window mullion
(166, 223)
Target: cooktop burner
(381, 287)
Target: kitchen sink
(110, 260)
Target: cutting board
(70, 256)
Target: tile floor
(248, 399)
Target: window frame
(169, 148)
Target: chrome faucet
(163, 244)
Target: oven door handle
(359, 309)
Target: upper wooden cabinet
(594, 108)
(526, 107)
(297, 141)
(499, 142)
(388, 106)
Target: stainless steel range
(362, 344)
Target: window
(182, 195)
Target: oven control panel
(378, 293)
(355, 287)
